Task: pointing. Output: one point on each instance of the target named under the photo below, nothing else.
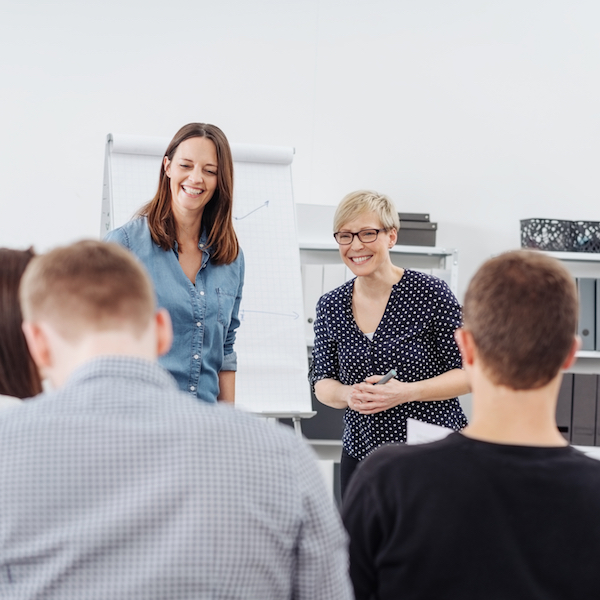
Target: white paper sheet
(418, 432)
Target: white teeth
(191, 191)
(360, 259)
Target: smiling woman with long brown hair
(185, 238)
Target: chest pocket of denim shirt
(226, 302)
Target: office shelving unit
(582, 264)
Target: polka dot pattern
(415, 337)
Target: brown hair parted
(19, 376)
(363, 201)
(521, 309)
(218, 213)
(88, 286)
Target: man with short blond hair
(118, 486)
(504, 509)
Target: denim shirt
(204, 316)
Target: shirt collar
(119, 366)
(202, 245)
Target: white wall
(477, 111)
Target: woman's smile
(191, 191)
(359, 260)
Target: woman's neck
(380, 282)
(188, 227)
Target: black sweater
(466, 519)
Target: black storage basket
(586, 236)
(547, 234)
(560, 236)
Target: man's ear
(466, 345)
(571, 358)
(38, 344)
(164, 331)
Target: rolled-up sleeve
(229, 354)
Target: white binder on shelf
(312, 281)
(334, 275)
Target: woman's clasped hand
(368, 398)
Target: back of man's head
(86, 287)
(521, 310)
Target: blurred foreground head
(87, 286)
(89, 299)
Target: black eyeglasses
(366, 236)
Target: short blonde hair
(88, 286)
(364, 201)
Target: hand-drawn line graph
(264, 205)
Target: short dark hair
(19, 376)
(88, 286)
(217, 218)
(521, 309)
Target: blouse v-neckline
(385, 310)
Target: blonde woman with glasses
(385, 319)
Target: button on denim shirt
(204, 316)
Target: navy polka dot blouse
(415, 337)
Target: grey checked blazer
(118, 486)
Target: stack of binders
(416, 230)
(577, 414)
(577, 411)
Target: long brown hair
(217, 215)
(19, 376)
